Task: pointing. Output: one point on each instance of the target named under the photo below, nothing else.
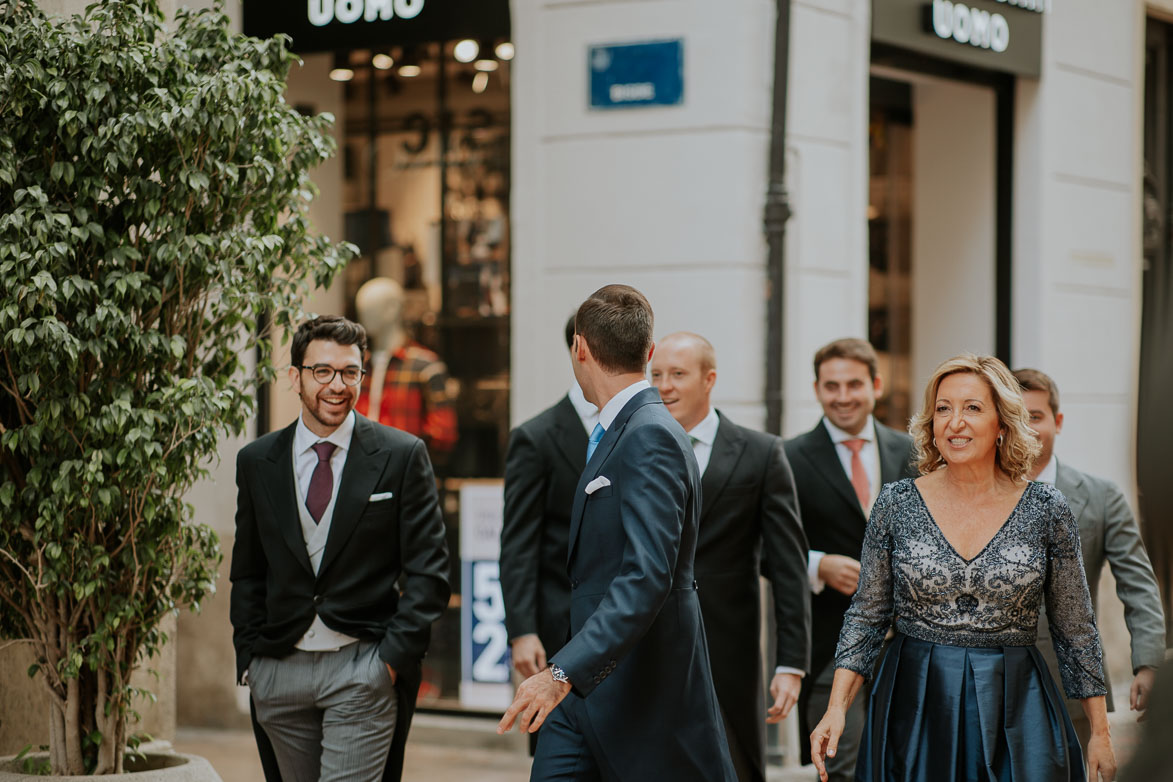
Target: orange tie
(859, 476)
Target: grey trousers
(330, 715)
(840, 768)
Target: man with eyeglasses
(339, 568)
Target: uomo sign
(337, 25)
(1002, 35)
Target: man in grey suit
(1107, 530)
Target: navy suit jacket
(637, 652)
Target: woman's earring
(1000, 439)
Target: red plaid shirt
(415, 397)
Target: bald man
(749, 524)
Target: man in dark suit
(839, 467)
(632, 687)
(545, 459)
(1107, 532)
(338, 571)
(749, 525)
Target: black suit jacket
(637, 653)
(383, 575)
(834, 523)
(750, 524)
(545, 459)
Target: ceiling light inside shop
(466, 50)
(505, 51)
(382, 61)
(486, 66)
(341, 70)
(480, 82)
(409, 71)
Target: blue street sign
(637, 74)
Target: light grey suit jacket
(1107, 530)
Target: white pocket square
(383, 495)
(597, 484)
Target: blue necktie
(596, 435)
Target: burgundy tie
(321, 482)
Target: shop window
(890, 245)
(426, 149)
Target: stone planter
(160, 766)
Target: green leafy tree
(153, 194)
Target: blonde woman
(961, 559)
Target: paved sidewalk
(455, 749)
(234, 756)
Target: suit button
(574, 584)
(318, 600)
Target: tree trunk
(75, 764)
(108, 750)
(57, 739)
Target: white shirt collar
(612, 408)
(587, 412)
(304, 439)
(706, 430)
(838, 435)
(1050, 472)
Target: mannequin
(406, 384)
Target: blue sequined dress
(962, 693)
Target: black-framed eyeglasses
(324, 373)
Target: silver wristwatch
(559, 674)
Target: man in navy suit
(630, 696)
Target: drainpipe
(777, 212)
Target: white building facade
(970, 186)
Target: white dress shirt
(612, 408)
(319, 637)
(869, 454)
(587, 412)
(1050, 472)
(703, 435)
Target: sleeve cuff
(813, 558)
(787, 669)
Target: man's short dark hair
(616, 322)
(850, 348)
(570, 332)
(332, 328)
(1034, 380)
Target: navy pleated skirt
(943, 713)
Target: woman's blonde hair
(1019, 448)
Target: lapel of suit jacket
(569, 435)
(602, 451)
(893, 455)
(1070, 483)
(727, 448)
(364, 464)
(827, 463)
(276, 477)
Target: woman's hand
(1101, 760)
(825, 739)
